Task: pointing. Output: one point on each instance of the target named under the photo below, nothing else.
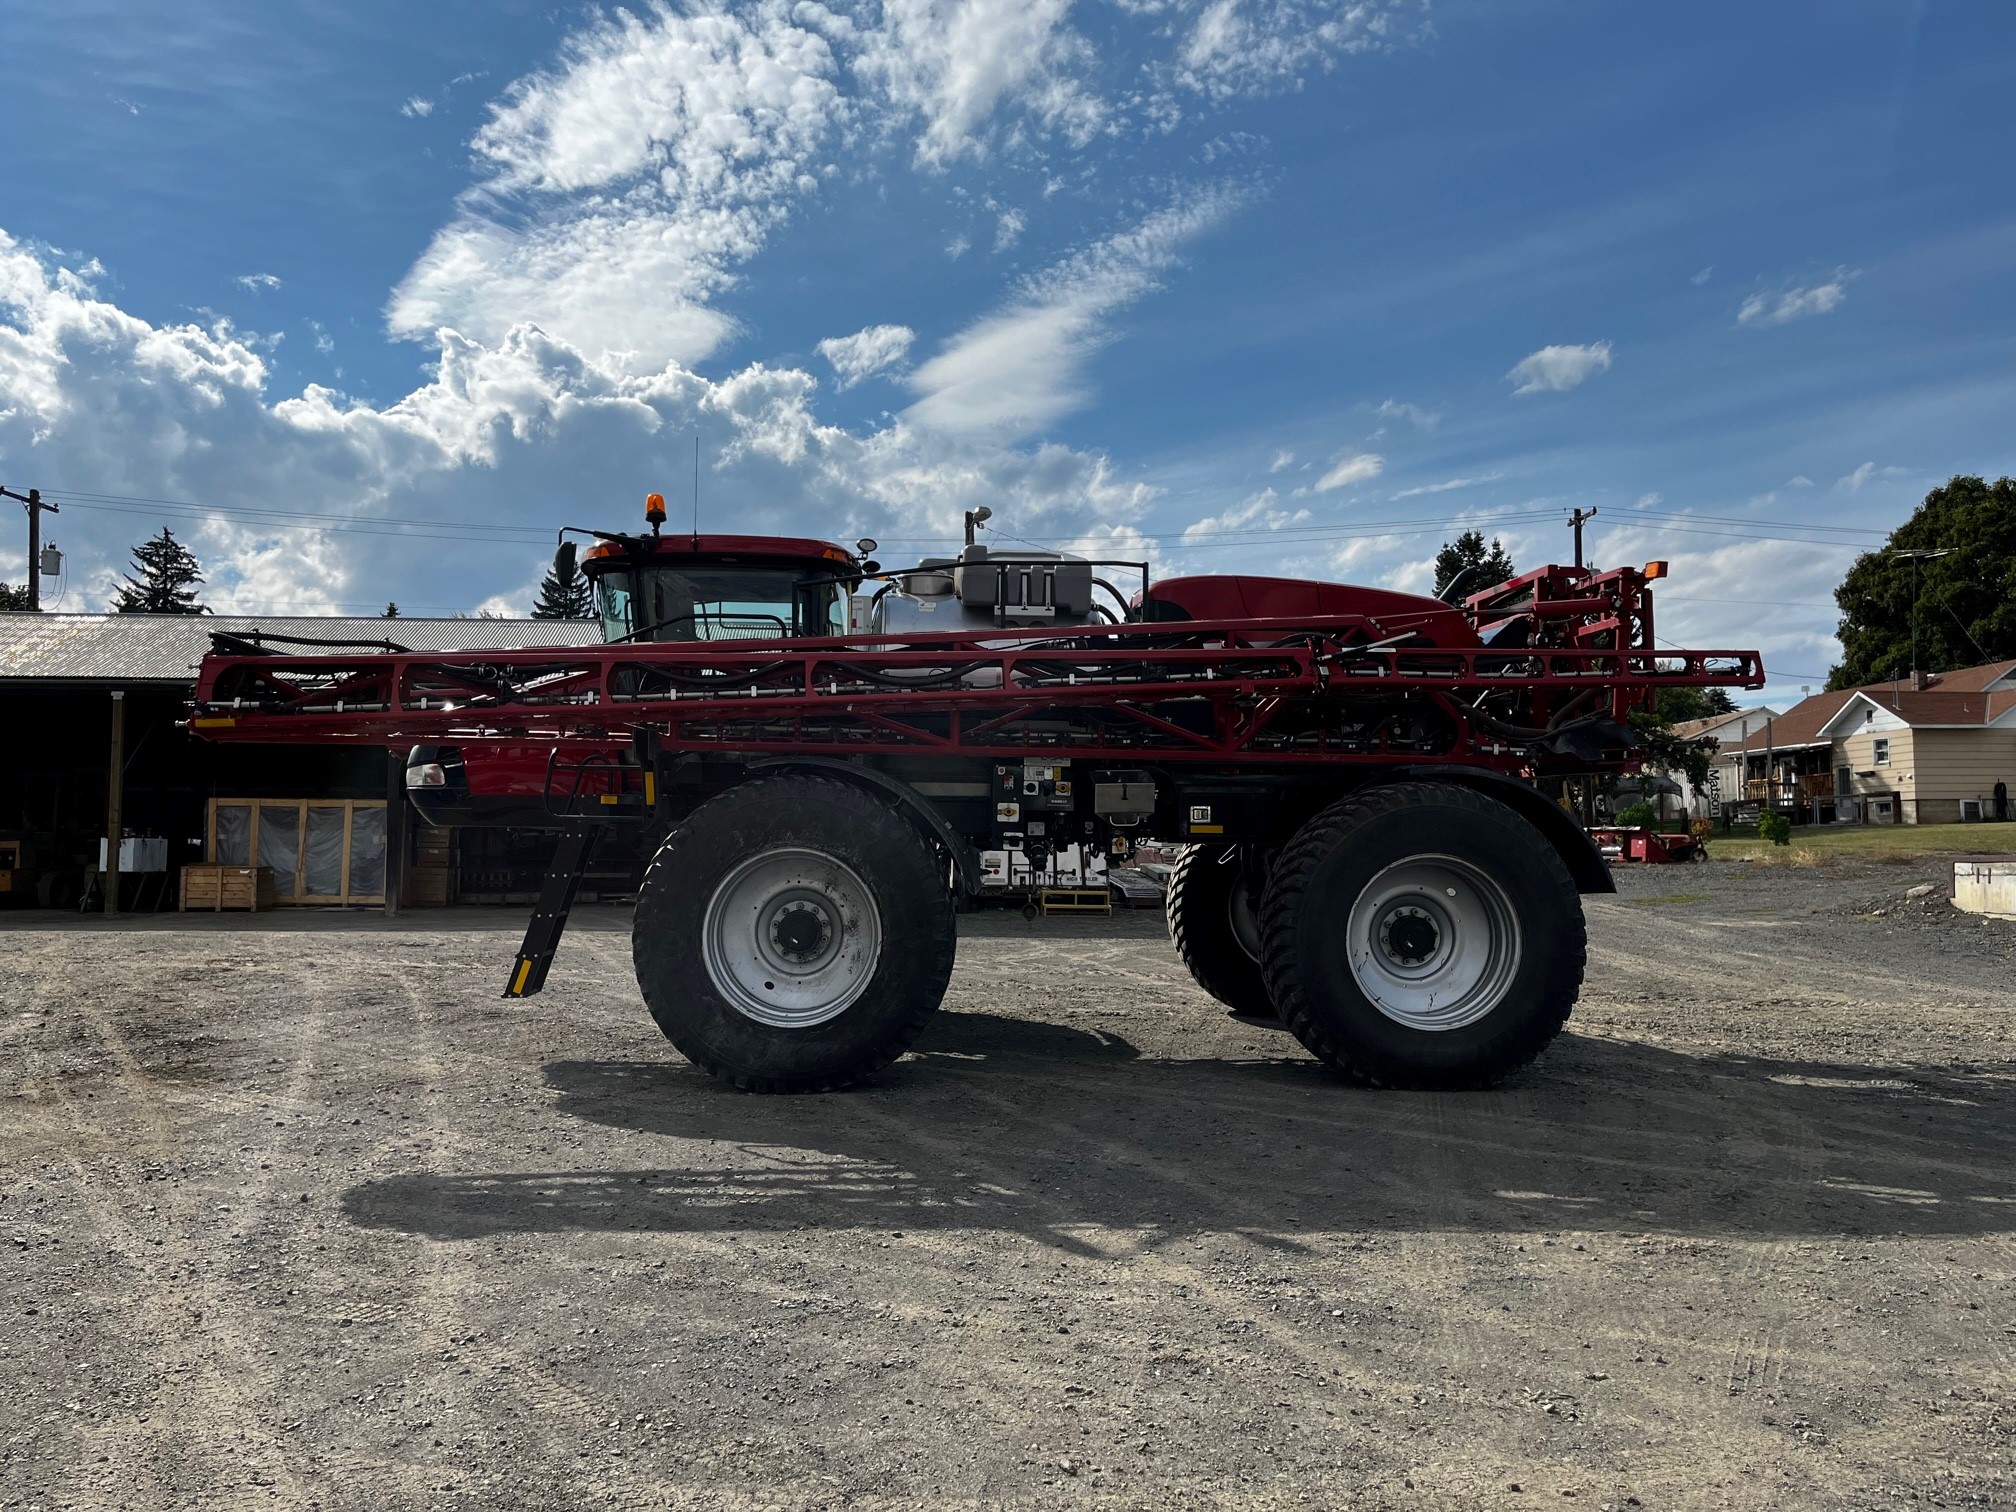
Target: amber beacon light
(654, 510)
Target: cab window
(720, 604)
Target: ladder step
(549, 915)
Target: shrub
(1774, 827)
(1639, 814)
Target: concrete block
(1985, 887)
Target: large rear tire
(1216, 928)
(1423, 935)
(793, 935)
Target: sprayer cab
(705, 588)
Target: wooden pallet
(1075, 900)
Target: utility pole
(1577, 520)
(33, 499)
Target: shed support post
(115, 792)
(395, 830)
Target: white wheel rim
(1434, 943)
(791, 938)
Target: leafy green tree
(13, 598)
(1493, 564)
(1960, 607)
(169, 575)
(1639, 815)
(564, 593)
(391, 612)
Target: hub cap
(791, 938)
(1434, 943)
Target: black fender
(1578, 852)
(909, 801)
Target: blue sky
(1263, 285)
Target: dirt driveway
(297, 1213)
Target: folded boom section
(1230, 691)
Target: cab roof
(720, 547)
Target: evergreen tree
(168, 576)
(564, 593)
(13, 598)
(1494, 565)
(1958, 607)
(391, 612)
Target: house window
(1882, 746)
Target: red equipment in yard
(1354, 771)
(1636, 843)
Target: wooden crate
(427, 887)
(215, 886)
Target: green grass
(1820, 843)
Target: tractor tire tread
(648, 949)
(1201, 944)
(1289, 879)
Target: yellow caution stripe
(214, 722)
(1207, 829)
(518, 981)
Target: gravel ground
(296, 1212)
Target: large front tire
(793, 935)
(1423, 935)
(1216, 929)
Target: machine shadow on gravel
(1044, 1130)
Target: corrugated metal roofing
(164, 648)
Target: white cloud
(324, 342)
(1793, 304)
(1703, 276)
(1413, 414)
(1260, 511)
(1243, 47)
(417, 105)
(257, 283)
(1451, 484)
(1282, 461)
(622, 189)
(1358, 560)
(1799, 480)
(1855, 480)
(868, 351)
(92, 397)
(1738, 598)
(1649, 501)
(1361, 468)
(1014, 372)
(1008, 229)
(954, 64)
(1555, 369)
